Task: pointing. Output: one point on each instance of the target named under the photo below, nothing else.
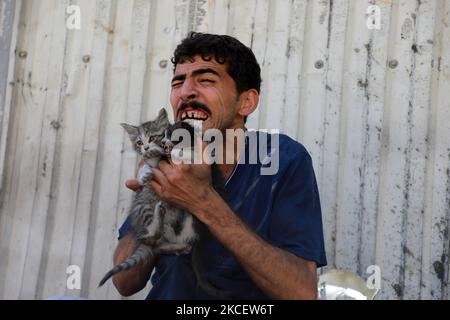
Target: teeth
(193, 115)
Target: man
(268, 231)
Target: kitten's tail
(197, 265)
(141, 253)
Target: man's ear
(249, 102)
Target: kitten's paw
(145, 174)
(186, 250)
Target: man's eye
(207, 80)
(176, 84)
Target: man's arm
(134, 280)
(280, 274)
(277, 272)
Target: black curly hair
(240, 61)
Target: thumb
(133, 184)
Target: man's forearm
(277, 272)
(131, 281)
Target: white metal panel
(435, 259)
(377, 130)
(275, 65)
(337, 24)
(8, 36)
(418, 151)
(258, 42)
(8, 39)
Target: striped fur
(156, 225)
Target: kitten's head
(180, 134)
(147, 137)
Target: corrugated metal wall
(372, 106)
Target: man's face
(204, 90)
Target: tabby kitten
(157, 226)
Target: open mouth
(194, 115)
(168, 148)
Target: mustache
(193, 105)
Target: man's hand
(184, 185)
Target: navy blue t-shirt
(282, 207)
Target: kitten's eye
(139, 143)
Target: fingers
(159, 180)
(159, 176)
(156, 187)
(166, 165)
(133, 184)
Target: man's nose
(188, 90)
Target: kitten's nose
(146, 148)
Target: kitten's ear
(163, 118)
(132, 130)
